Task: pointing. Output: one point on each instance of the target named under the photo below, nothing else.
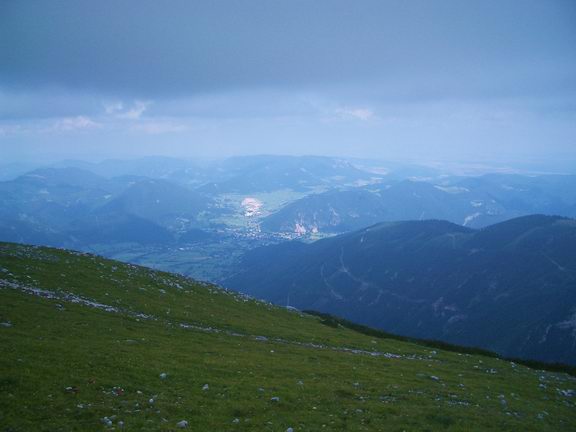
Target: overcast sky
(406, 79)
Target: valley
(199, 218)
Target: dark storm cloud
(400, 49)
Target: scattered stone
(71, 389)
(434, 378)
(289, 430)
(236, 420)
(183, 424)
(151, 401)
(205, 387)
(163, 375)
(6, 324)
(106, 421)
(567, 393)
(121, 424)
(275, 399)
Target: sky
(403, 80)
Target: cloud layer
(373, 78)
(148, 48)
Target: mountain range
(472, 201)
(509, 287)
(73, 207)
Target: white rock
(205, 387)
(236, 420)
(275, 399)
(183, 424)
(289, 430)
(163, 375)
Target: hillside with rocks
(92, 344)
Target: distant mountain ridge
(72, 206)
(269, 173)
(475, 202)
(510, 287)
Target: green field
(85, 342)
(206, 261)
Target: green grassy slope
(84, 342)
